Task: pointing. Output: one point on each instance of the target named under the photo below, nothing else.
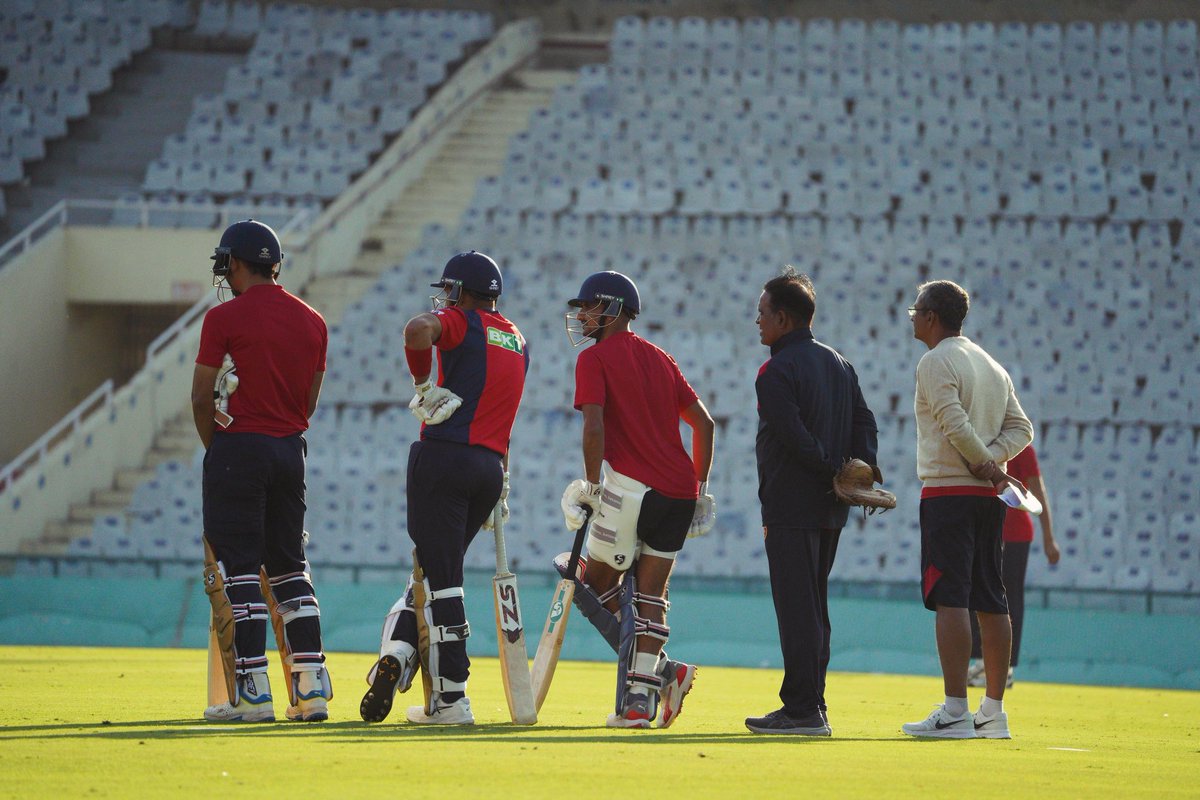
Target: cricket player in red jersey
(254, 471)
(645, 494)
(457, 474)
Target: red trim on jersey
(454, 327)
(957, 491)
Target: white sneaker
(457, 713)
(976, 675)
(993, 727)
(254, 705)
(942, 725)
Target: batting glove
(705, 515)
(578, 494)
(227, 383)
(433, 404)
(501, 504)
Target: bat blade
(550, 645)
(218, 692)
(514, 659)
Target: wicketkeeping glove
(433, 404)
(854, 485)
(578, 494)
(488, 523)
(705, 515)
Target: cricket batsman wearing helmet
(254, 476)
(644, 493)
(457, 474)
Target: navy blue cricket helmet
(248, 240)
(474, 271)
(617, 289)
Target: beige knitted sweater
(967, 413)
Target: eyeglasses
(913, 311)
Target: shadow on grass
(355, 731)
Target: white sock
(990, 707)
(643, 664)
(956, 706)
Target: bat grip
(577, 545)
(498, 535)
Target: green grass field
(97, 722)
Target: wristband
(420, 361)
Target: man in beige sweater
(969, 424)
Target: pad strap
(447, 593)
(449, 633)
(443, 685)
(655, 630)
(653, 600)
(609, 595)
(651, 681)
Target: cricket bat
(510, 633)
(550, 645)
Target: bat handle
(498, 535)
(577, 545)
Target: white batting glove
(705, 515)
(433, 404)
(227, 383)
(501, 504)
(578, 495)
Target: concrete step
(177, 439)
(158, 456)
(87, 512)
(130, 478)
(45, 547)
(60, 533)
(112, 498)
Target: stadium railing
(52, 476)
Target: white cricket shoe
(976, 675)
(942, 725)
(457, 713)
(993, 727)
(311, 703)
(254, 704)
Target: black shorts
(663, 522)
(961, 553)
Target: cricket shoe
(993, 727)
(677, 679)
(392, 675)
(780, 722)
(635, 714)
(563, 559)
(456, 713)
(311, 703)
(941, 724)
(254, 703)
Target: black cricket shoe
(391, 674)
(814, 724)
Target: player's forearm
(1037, 486)
(593, 450)
(202, 414)
(420, 334)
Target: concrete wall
(34, 351)
(139, 265)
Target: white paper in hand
(1025, 501)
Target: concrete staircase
(442, 193)
(176, 441)
(475, 150)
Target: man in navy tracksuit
(812, 418)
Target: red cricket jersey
(1018, 524)
(278, 344)
(482, 358)
(642, 392)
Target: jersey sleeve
(321, 363)
(589, 381)
(454, 327)
(1024, 465)
(685, 395)
(214, 343)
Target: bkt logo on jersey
(499, 338)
